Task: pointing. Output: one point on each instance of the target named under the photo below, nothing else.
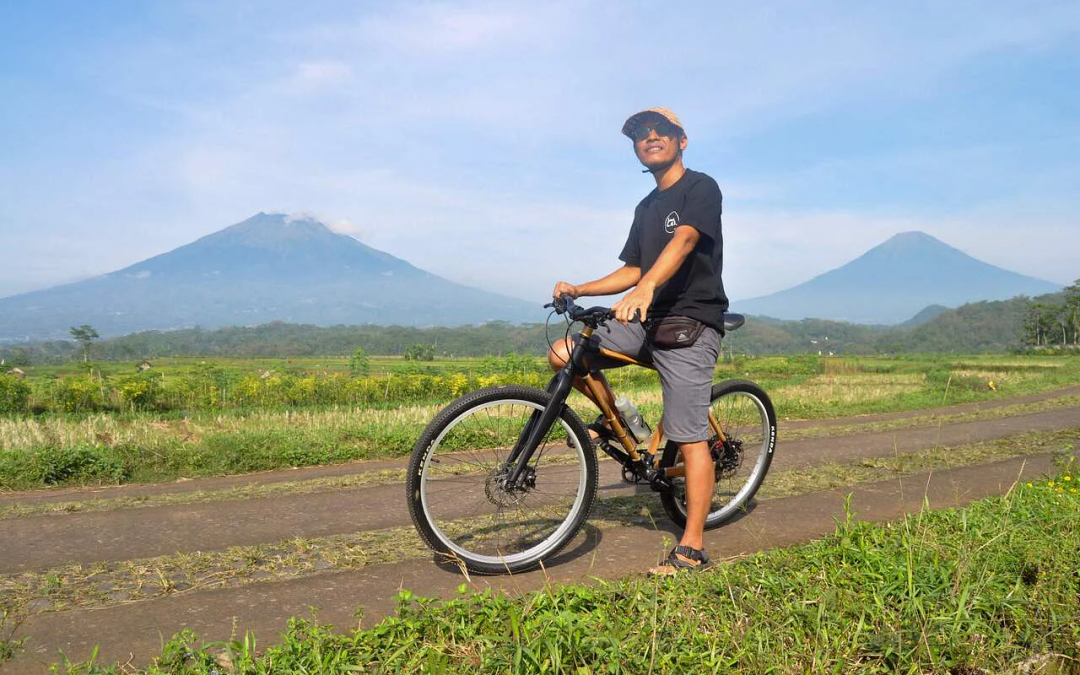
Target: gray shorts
(685, 375)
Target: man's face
(657, 142)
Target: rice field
(109, 446)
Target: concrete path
(46, 541)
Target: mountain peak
(271, 266)
(894, 280)
(915, 240)
(911, 237)
(277, 224)
(899, 252)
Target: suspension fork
(538, 425)
(540, 421)
(552, 388)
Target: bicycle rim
(466, 506)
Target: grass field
(301, 365)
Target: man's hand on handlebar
(634, 305)
(563, 288)
(631, 308)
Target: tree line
(991, 326)
(1054, 320)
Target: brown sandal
(681, 559)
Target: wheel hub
(500, 494)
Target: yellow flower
(1030, 485)
(1050, 484)
(1072, 490)
(1067, 478)
(1061, 489)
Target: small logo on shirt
(671, 222)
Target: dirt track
(135, 630)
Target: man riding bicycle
(673, 258)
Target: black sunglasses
(661, 128)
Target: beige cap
(635, 119)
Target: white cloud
(323, 71)
(312, 77)
(345, 226)
(436, 29)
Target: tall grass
(110, 447)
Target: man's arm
(618, 281)
(671, 259)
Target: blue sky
(478, 139)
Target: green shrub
(14, 395)
(52, 465)
(139, 392)
(359, 363)
(81, 393)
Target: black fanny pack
(673, 332)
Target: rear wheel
(746, 416)
(457, 494)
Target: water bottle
(634, 422)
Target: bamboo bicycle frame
(602, 394)
(559, 388)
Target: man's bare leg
(700, 480)
(557, 358)
(700, 476)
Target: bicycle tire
(457, 503)
(747, 416)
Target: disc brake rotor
(497, 493)
(728, 457)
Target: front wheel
(457, 494)
(748, 421)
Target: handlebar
(593, 316)
(564, 304)
(597, 316)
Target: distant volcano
(268, 268)
(893, 282)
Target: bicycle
(504, 477)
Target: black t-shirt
(696, 289)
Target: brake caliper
(728, 457)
